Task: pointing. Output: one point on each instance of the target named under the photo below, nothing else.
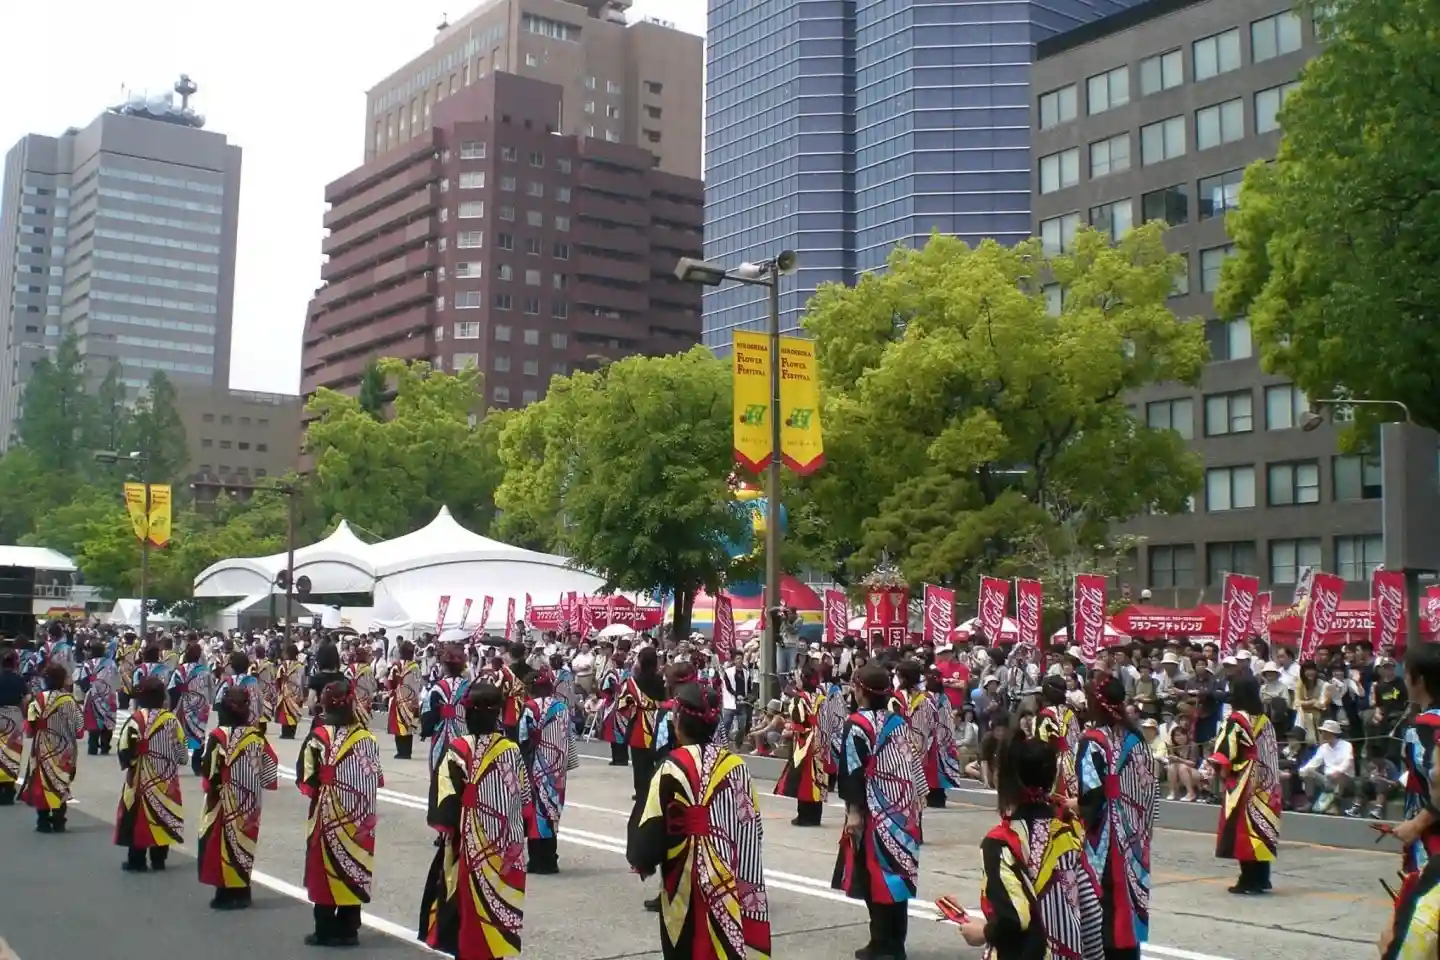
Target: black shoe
(617, 763)
(44, 828)
(350, 940)
(544, 868)
(653, 904)
(315, 940)
(1243, 890)
(129, 867)
(865, 953)
(57, 827)
(157, 865)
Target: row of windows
(475, 180)
(501, 395)
(174, 367)
(1230, 413)
(159, 201)
(155, 344)
(154, 241)
(1174, 565)
(1292, 483)
(31, 190)
(207, 228)
(184, 305)
(226, 419)
(153, 322)
(214, 189)
(1210, 56)
(478, 150)
(208, 442)
(474, 300)
(475, 210)
(153, 281)
(167, 262)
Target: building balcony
(417, 319)
(597, 295)
(691, 215)
(381, 248)
(342, 371)
(420, 204)
(417, 261)
(406, 181)
(418, 291)
(602, 208)
(360, 179)
(618, 239)
(611, 180)
(628, 271)
(679, 242)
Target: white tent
(254, 611)
(341, 563)
(127, 613)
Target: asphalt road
(65, 897)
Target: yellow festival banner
(751, 359)
(135, 506)
(160, 514)
(802, 448)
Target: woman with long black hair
(643, 694)
(1249, 757)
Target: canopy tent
(36, 558)
(341, 563)
(1009, 631)
(1112, 638)
(127, 612)
(253, 612)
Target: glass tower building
(840, 128)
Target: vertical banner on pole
(464, 613)
(837, 615)
(440, 613)
(1260, 622)
(939, 614)
(725, 642)
(1029, 602)
(1237, 610)
(1387, 608)
(160, 514)
(135, 507)
(1320, 608)
(802, 448)
(485, 606)
(1089, 607)
(750, 361)
(527, 610)
(994, 599)
(509, 619)
(1431, 607)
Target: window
(1170, 204)
(1058, 233)
(534, 188)
(562, 251)
(1221, 123)
(1268, 104)
(1357, 558)
(559, 340)
(1217, 54)
(1220, 193)
(1210, 262)
(1229, 339)
(589, 83)
(440, 303)
(469, 330)
(612, 137)
(589, 106)
(1357, 478)
(1229, 488)
(1177, 415)
(1054, 295)
(562, 194)
(507, 212)
(531, 60)
(500, 394)
(532, 247)
(1223, 558)
(1058, 106)
(472, 180)
(1060, 170)
(1164, 140)
(1172, 566)
(1289, 557)
(1161, 72)
(1275, 36)
(562, 224)
(505, 241)
(535, 218)
(1110, 156)
(507, 184)
(467, 300)
(611, 86)
(472, 150)
(1113, 219)
(537, 159)
(502, 332)
(529, 396)
(462, 360)
(471, 210)
(558, 281)
(532, 306)
(532, 337)
(469, 270)
(1284, 406)
(470, 239)
(531, 368)
(1108, 90)
(1293, 483)
(612, 111)
(654, 86)
(502, 363)
(1227, 413)
(502, 301)
(562, 164)
(508, 154)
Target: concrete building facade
(1153, 114)
(123, 234)
(237, 438)
(495, 240)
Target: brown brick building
(494, 239)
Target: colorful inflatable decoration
(753, 507)
(746, 601)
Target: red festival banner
(993, 600)
(464, 613)
(1237, 610)
(1431, 606)
(724, 627)
(1029, 600)
(528, 606)
(1260, 619)
(509, 619)
(1089, 612)
(485, 606)
(939, 614)
(837, 615)
(1320, 609)
(1387, 608)
(440, 614)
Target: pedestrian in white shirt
(584, 666)
(1329, 773)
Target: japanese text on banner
(750, 359)
(160, 514)
(802, 447)
(135, 506)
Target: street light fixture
(1312, 419)
(143, 462)
(767, 274)
(287, 577)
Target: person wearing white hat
(1328, 774)
(1271, 686)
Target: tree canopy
(1336, 242)
(964, 417)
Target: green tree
(157, 432)
(56, 411)
(625, 471)
(392, 476)
(964, 416)
(28, 491)
(372, 390)
(1336, 242)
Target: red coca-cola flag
(993, 600)
(1260, 619)
(509, 619)
(485, 606)
(837, 615)
(527, 609)
(1237, 610)
(440, 613)
(1089, 613)
(1320, 610)
(1387, 607)
(464, 613)
(1431, 607)
(939, 613)
(724, 626)
(1029, 603)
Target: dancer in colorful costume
(13, 692)
(1249, 758)
(53, 722)
(151, 815)
(238, 767)
(547, 742)
(99, 678)
(1058, 724)
(444, 716)
(404, 684)
(192, 689)
(806, 774)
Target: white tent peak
(444, 539)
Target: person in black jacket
(12, 724)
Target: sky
(265, 81)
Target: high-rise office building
(840, 128)
(123, 234)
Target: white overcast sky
(285, 79)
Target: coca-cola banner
(1237, 610)
(527, 608)
(837, 615)
(939, 613)
(485, 606)
(1322, 605)
(1089, 611)
(1387, 608)
(994, 599)
(440, 613)
(509, 619)
(724, 626)
(1260, 619)
(1431, 606)
(1029, 597)
(465, 612)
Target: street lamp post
(290, 491)
(143, 462)
(765, 274)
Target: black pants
(619, 755)
(935, 799)
(642, 767)
(544, 855)
(1254, 876)
(7, 794)
(808, 814)
(336, 923)
(98, 741)
(287, 731)
(124, 701)
(135, 857)
(403, 747)
(1122, 953)
(197, 761)
(51, 821)
(231, 898)
(889, 925)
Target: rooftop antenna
(186, 88)
(444, 23)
